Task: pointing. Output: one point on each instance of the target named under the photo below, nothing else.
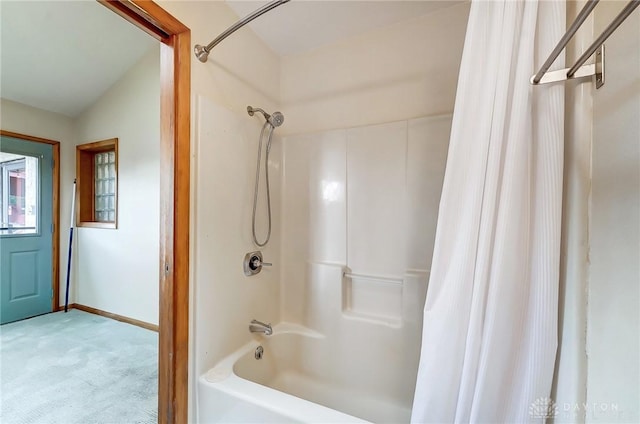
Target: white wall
(570, 379)
(117, 270)
(361, 188)
(27, 120)
(403, 71)
(241, 71)
(613, 338)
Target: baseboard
(132, 321)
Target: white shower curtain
(490, 318)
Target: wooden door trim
(175, 92)
(55, 242)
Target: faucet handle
(253, 263)
(257, 263)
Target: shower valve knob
(253, 263)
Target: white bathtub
(300, 378)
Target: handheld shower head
(275, 120)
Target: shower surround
(354, 222)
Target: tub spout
(260, 327)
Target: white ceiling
(303, 25)
(62, 56)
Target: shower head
(275, 120)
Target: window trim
(85, 180)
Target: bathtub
(299, 378)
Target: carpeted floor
(77, 368)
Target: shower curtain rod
(578, 70)
(202, 52)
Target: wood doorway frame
(55, 215)
(175, 92)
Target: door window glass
(18, 194)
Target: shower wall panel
(376, 191)
(225, 300)
(362, 201)
(314, 210)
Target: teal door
(26, 226)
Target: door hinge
(51, 293)
(53, 163)
(52, 227)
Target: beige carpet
(77, 368)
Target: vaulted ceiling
(62, 56)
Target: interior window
(97, 180)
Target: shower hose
(257, 186)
